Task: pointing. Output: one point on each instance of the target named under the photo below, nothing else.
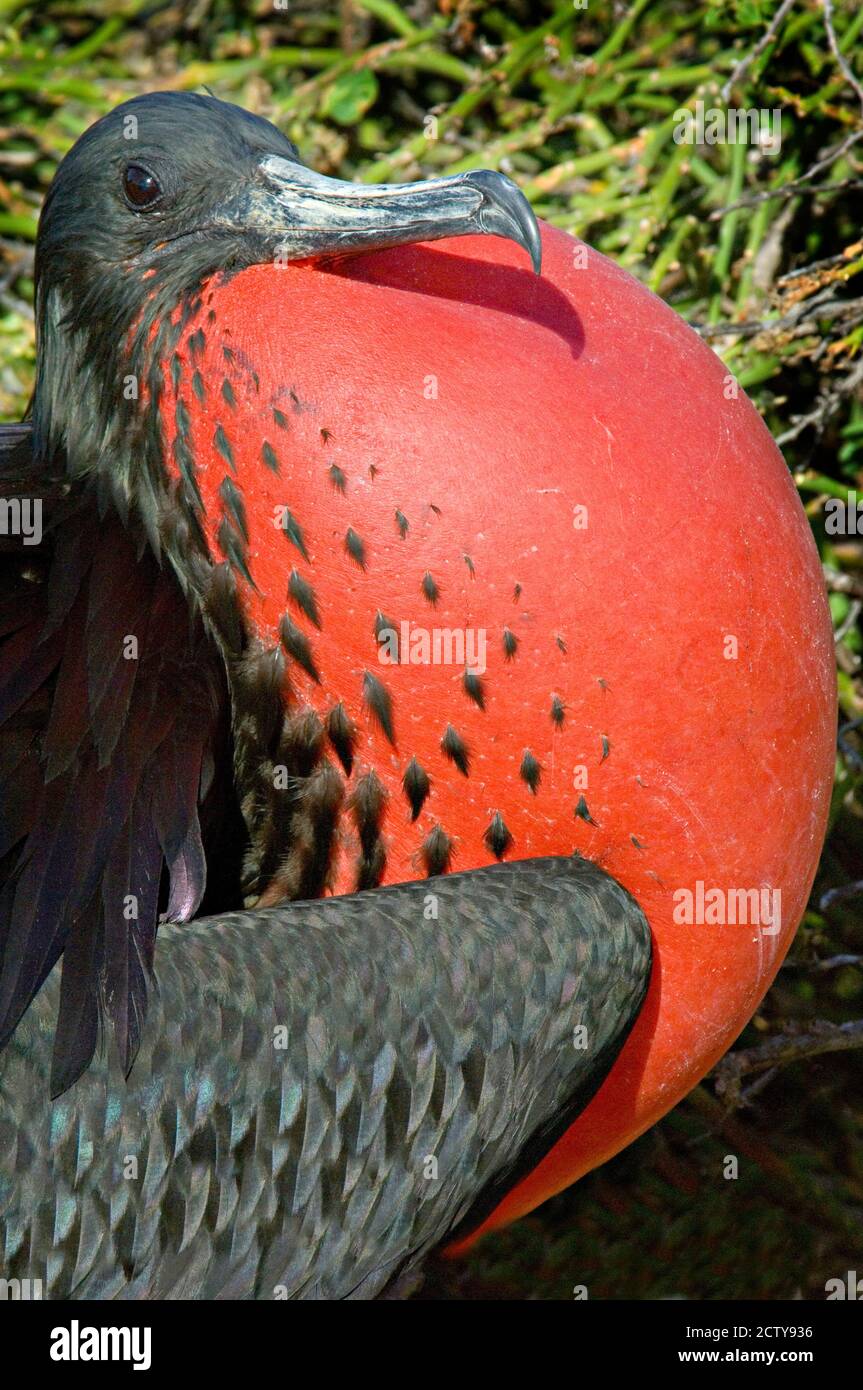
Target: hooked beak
(307, 214)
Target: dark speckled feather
(113, 699)
(278, 1131)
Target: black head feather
(437, 851)
(367, 806)
(298, 646)
(430, 588)
(380, 703)
(355, 546)
(497, 838)
(474, 688)
(530, 770)
(455, 748)
(416, 785)
(342, 734)
(303, 595)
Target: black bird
(153, 199)
(320, 1092)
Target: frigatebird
(317, 1094)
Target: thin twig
(832, 155)
(820, 967)
(815, 267)
(838, 895)
(780, 1051)
(803, 318)
(838, 582)
(827, 406)
(841, 61)
(766, 38)
(788, 190)
(836, 962)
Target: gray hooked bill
(307, 214)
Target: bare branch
(827, 406)
(841, 61)
(788, 190)
(778, 1052)
(766, 38)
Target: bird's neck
(103, 384)
(100, 379)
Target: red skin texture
(576, 389)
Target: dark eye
(141, 187)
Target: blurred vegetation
(762, 251)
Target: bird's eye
(142, 189)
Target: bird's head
(162, 193)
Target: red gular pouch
(539, 583)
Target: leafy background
(763, 254)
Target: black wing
(323, 1091)
(112, 707)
